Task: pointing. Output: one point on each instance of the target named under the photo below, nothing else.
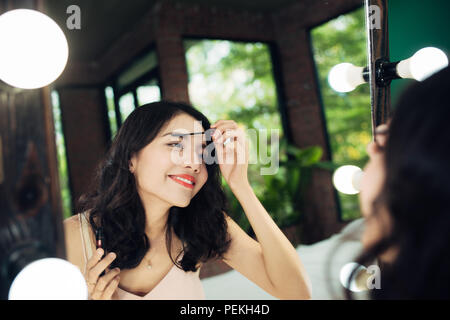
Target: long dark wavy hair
(115, 206)
(416, 193)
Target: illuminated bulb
(49, 279)
(357, 283)
(422, 64)
(345, 77)
(347, 179)
(34, 49)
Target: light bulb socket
(385, 72)
(366, 74)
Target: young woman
(405, 195)
(158, 200)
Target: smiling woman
(152, 170)
(155, 199)
(147, 210)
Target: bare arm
(272, 262)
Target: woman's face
(156, 165)
(371, 186)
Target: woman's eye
(179, 145)
(176, 144)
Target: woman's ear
(131, 164)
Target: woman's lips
(184, 184)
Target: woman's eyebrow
(178, 134)
(181, 135)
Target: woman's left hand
(233, 156)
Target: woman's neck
(156, 215)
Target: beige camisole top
(177, 284)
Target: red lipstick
(189, 183)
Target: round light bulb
(347, 179)
(34, 49)
(422, 64)
(49, 279)
(345, 77)
(346, 272)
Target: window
(126, 104)
(134, 86)
(148, 92)
(348, 119)
(235, 80)
(62, 157)
(109, 94)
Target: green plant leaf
(310, 156)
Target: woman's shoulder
(72, 236)
(73, 222)
(71, 225)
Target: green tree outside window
(343, 39)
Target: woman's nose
(194, 167)
(193, 161)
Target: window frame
(152, 74)
(321, 104)
(276, 73)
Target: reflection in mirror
(249, 62)
(264, 81)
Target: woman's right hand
(101, 287)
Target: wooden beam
(310, 13)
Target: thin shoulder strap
(87, 250)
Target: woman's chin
(181, 204)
